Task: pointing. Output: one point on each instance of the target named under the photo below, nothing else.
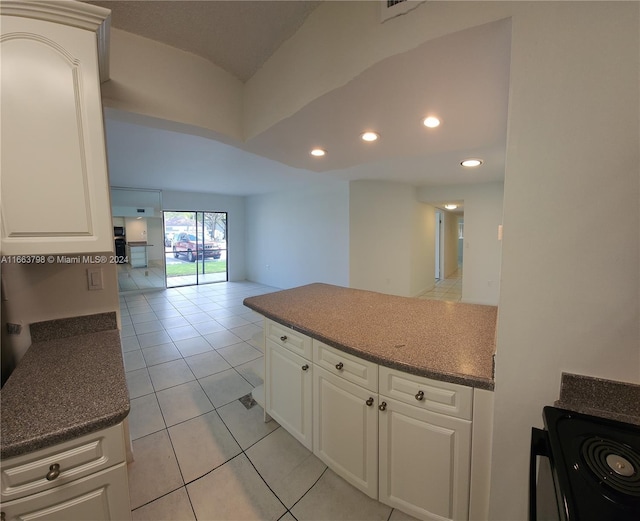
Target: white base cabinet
(345, 430)
(78, 480)
(403, 439)
(99, 497)
(288, 393)
(424, 461)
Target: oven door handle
(539, 447)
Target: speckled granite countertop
(64, 387)
(446, 341)
(610, 399)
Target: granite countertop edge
(54, 438)
(477, 382)
(62, 389)
(613, 400)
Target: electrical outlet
(14, 329)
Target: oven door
(544, 497)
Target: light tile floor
(140, 278)
(153, 277)
(190, 354)
(449, 289)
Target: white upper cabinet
(54, 180)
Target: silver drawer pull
(420, 396)
(339, 366)
(283, 338)
(54, 472)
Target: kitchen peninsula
(394, 394)
(448, 341)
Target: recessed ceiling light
(450, 206)
(370, 136)
(469, 163)
(431, 122)
(318, 152)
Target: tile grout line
(215, 409)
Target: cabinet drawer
(100, 496)
(442, 397)
(349, 367)
(27, 474)
(286, 337)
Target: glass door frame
(205, 247)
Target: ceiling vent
(392, 8)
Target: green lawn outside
(189, 268)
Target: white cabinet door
(345, 430)
(288, 387)
(102, 496)
(424, 461)
(55, 188)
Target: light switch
(94, 277)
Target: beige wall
(570, 284)
(389, 239)
(153, 79)
(136, 229)
(38, 292)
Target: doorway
(438, 245)
(195, 246)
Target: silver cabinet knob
(305, 367)
(339, 366)
(383, 406)
(369, 402)
(54, 472)
(420, 396)
(283, 338)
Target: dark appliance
(595, 468)
(121, 250)
(118, 231)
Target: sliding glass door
(195, 245)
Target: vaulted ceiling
(462, 77)
(238, 36)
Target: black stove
(595, 464)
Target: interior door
(438, 243)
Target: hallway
(449, 289)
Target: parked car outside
(186, 244)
